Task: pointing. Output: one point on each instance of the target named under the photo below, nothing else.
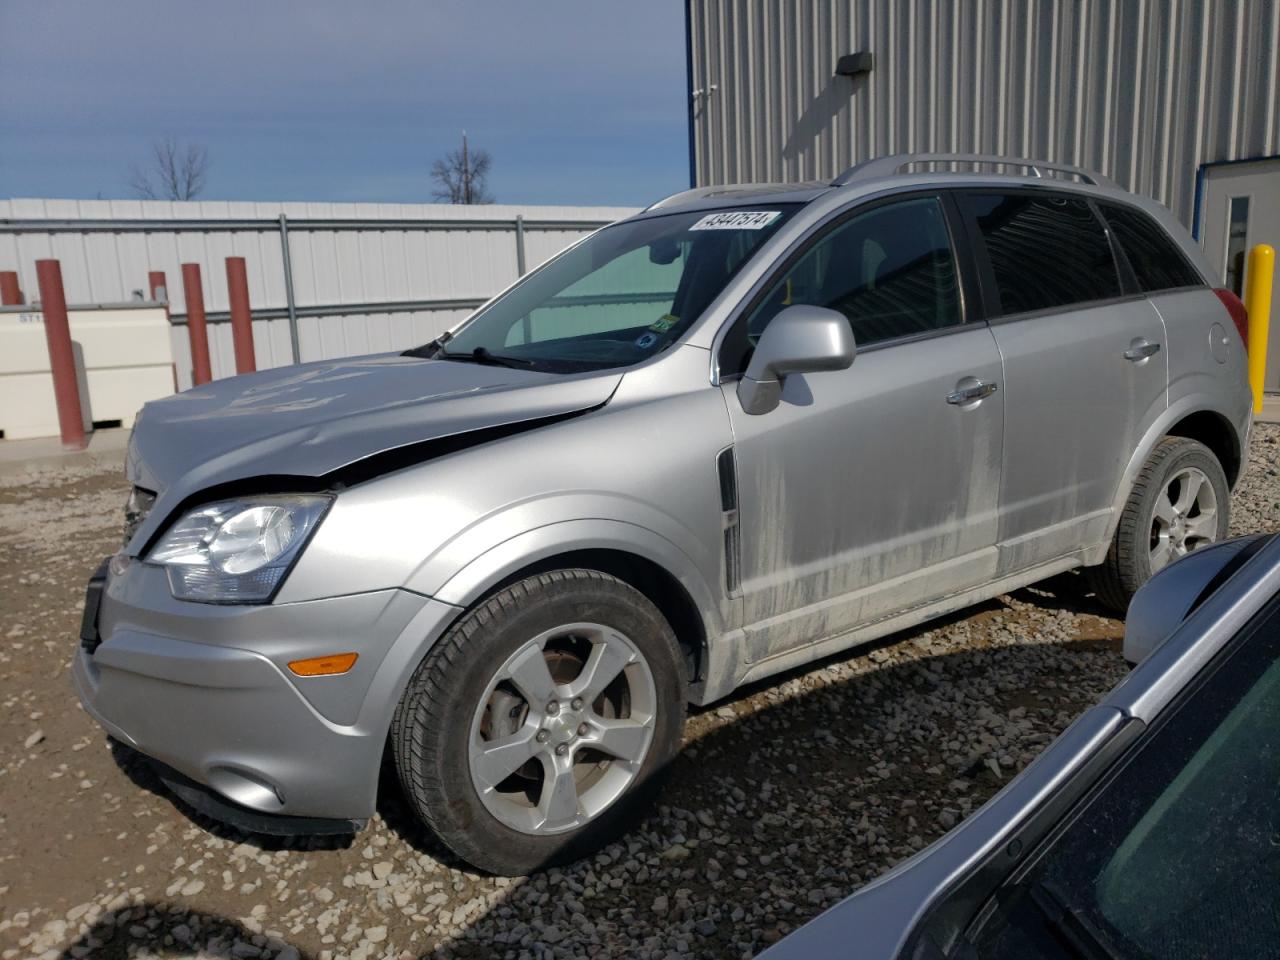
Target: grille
(136, 509)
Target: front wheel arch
(666, 575)
(658, 586)
(441, 699)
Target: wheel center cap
(563, 726)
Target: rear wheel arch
(1215, 432)
(1147, 538)
(1192, 417)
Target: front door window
(889, 270)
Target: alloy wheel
(1185, 517)
(562, 729)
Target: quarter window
(1045, 251)
(889, 270)
(1157, 262)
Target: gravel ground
(783, 801)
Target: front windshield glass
(620, 296)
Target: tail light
(1239, 315)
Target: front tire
(1180, 502)
(537, 729)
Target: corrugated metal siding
(1143, 91)
(329, 266)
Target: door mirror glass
(800, 339)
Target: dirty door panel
(866, 493)
(873, 489)
(1076, 409)
(1086, 369)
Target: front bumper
(206, 689)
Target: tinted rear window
(1045, 251)
(1157, 262)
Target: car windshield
(624, 294)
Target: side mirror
(800, 339)
(1172, 595)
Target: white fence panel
(404, 283)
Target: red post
(157, 282)
(10, 292)
(241, 318)
(160, 293)
(201, 372)
(62, 357)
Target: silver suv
(647, 473)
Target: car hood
(313, 419)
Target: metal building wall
(1141, 90)
(361, 265)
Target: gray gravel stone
(785, 799)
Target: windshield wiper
(429, 349)
(482, 355)
(1070, 923)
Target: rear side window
(1045, 251)
(1157, 262)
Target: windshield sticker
(664, 323)
(737, 220)
(646, 340)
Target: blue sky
(577, 101)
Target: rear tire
(1180, 501)
(512, 743)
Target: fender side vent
(732, 571)
(728, 475)
(727, 472)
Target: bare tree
(462, 176)
(176, 171)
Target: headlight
(237, 551)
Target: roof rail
(732, 189)
(697, 193)
(888, 166)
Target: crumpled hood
(312, 419)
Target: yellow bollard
(1257, 301)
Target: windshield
(620, 296)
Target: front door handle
(970, 390)
(1140, 349)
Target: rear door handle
(970, 390)
(1140, 349)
